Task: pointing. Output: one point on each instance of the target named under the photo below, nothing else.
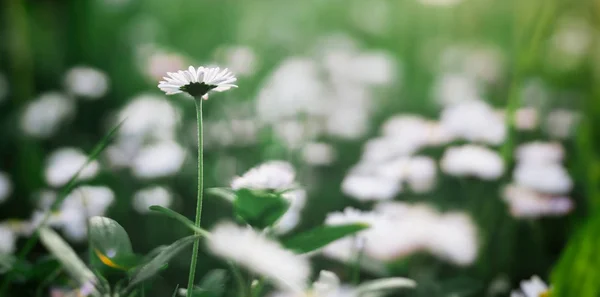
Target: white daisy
(261, 255)
(534, 287)
(527, 203)
(155, 195)
(472, 160)
(198, 81)
(63, 164)
(272, 175)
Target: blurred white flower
(318, 153)
(328, 285)
(43, 116)
(86, 82)
(421, 174)
(535, 93)
(480, 62)
(346, 249)
(8, 239)
(549, 178)
(90, 200)
(364, 188)
(570, 44)
(233, 132)
(561, 123)
(198, 81)
(272, 175)
(474, 121)
(398, 229)
(149, 116)
(293, 88)
(373, 68)
(158, 160)
(158, 63)
(373, 17)
(240, 59)
(63, 164)
(84, 202)
(3, 87)
(472, 160)
(525, 118)
(454, 238)
(347, 122)
(412, 130)
(154, 195)
(450, 89)
(261, 255)
(527, 203)
(540, 152)
(5, 186)
(291, 218)
(534, 287)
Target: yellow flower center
(545, 294)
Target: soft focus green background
(40, 40)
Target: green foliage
(321, 236)
(174, 215)
(212, 284)
(577, 272)
(259, 209)
(110, 244)
(154, 265)
(72, 264)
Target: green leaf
(152, 267)
(224, 193)
(212, 285)
(260, 209)
(179, 217)
(577, 273)
(321, 236)
(67, 257)
(214, 282)
(110, 243)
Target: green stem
(239, 278)
(190, 287)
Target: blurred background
(474, 121)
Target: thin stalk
(194, 261)
(239, 279)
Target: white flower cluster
(86, 82)
(81, 204)
(398, 230)
(472, 160)
(540, 181)
(146, 140)
(388, 161)
(332, 88)
(278, 176)
(474, 121)
(154, 195)
(261, 255)
(44, 115)
(63, 164)
(329, 285)
(534, 287)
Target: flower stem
(194, 260)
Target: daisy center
(545, 294)
(197, 89)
